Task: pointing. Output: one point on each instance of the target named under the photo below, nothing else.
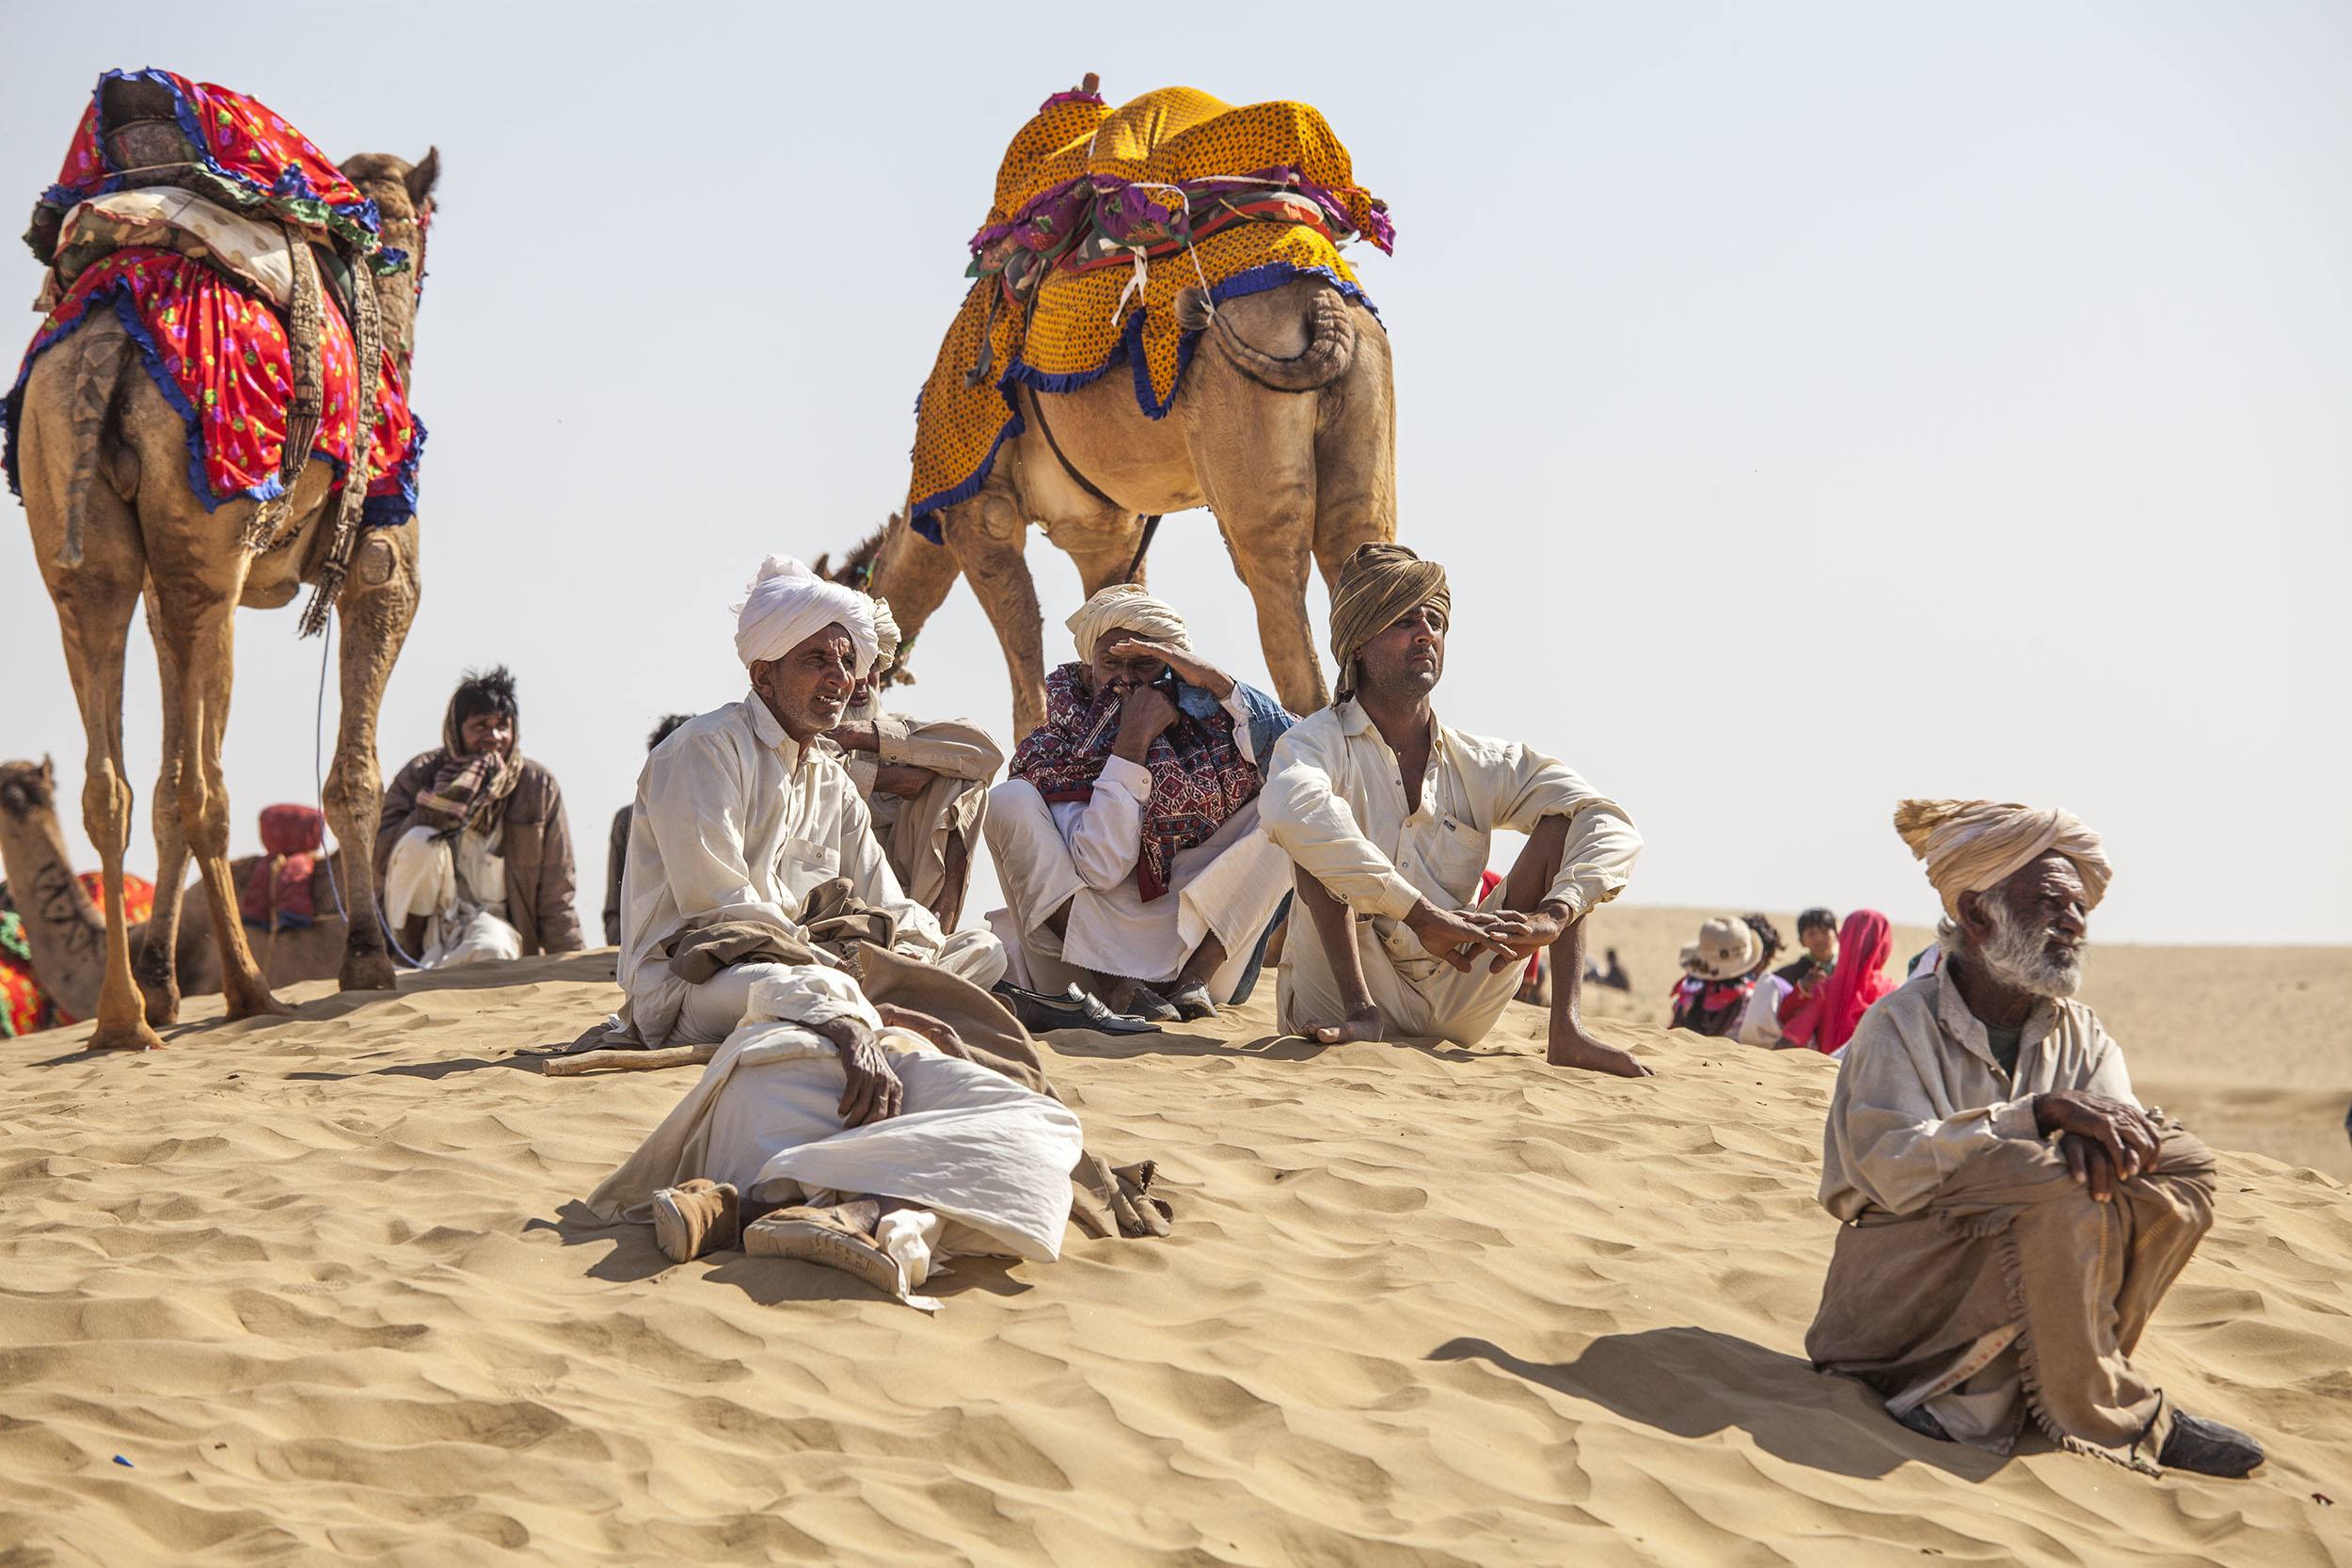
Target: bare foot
(1581, 1049)
(1364, 1023)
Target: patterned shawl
(1200, 778)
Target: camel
(104, 463)
(67, 931)
(1287, 432)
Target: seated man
(473, 851)
(1127, 838)
(1817, 933)
(2011, 1215)
(870, 1140)
(1389, 815)
(616, 851)
(745, 813)
(924, 780)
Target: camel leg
(378, 602)
(95, 600)
(915, 574)
(155, 963)
(200, 621)
(1255, 457)
(1356, 456)
(1103, 550)
(986, 533)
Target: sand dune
(325, 1283)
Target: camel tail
(99, 358)
(1330, 342)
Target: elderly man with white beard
(2012, 1213)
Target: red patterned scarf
(1200, 778)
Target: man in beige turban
(924, 781)
(1127, 838)
(2012, 1213)
(1390, 816)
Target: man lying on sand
(1987, 1271)
(865, 1139)
(1127, 837)
(924, 780)
(748, 849)
(1389, 815)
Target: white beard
(2019, 955)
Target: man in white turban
(2012, 1213)
(745, 814)
(1127, 838)
(924, 781)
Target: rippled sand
(324, 1285)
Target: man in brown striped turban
(1389, 815)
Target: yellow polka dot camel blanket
(1102, 217)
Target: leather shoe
(1073, 1010)
(2207, 1447)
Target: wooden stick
(628, 1061)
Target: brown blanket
(2010, 1240)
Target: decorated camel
(64, 929)
(1173, 241)
(234, 426)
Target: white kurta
(459, 887)
(1335, 801)
(972, 1146)
(1919, 1091)
(916, 832)
(1083, 854)
(734, 820)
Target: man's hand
(856, 737)
(1190, 667)
(2088, 1158)
(902, 779)
(1521, 936)
(1144, 716)
(2124, 1136)
(872, 1091)
(1452, 935)
(937, 1030)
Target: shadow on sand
(1178, 1041)
(1694, 1382)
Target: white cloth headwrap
(1970, 846)
(1123, 607)
(886, 639)
(787, 604)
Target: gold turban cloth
(1380, 585)
(1970, 846)
(1124, 607)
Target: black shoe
(2207, 1447)
(1192, 1002)
(1920, 1419)
(1074, 1009)
(1151, 1006)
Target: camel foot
(367, 972)
(261, 1003)
(134, 1035)
(163, 1003)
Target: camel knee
(107, 807)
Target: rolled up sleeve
(1602, 844)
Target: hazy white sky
(1814, 404)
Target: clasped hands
(2103, 1141)
(1461, 937)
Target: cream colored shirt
(1334, 801)
(1919, 1091)
(952, 748)
(734, 820)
